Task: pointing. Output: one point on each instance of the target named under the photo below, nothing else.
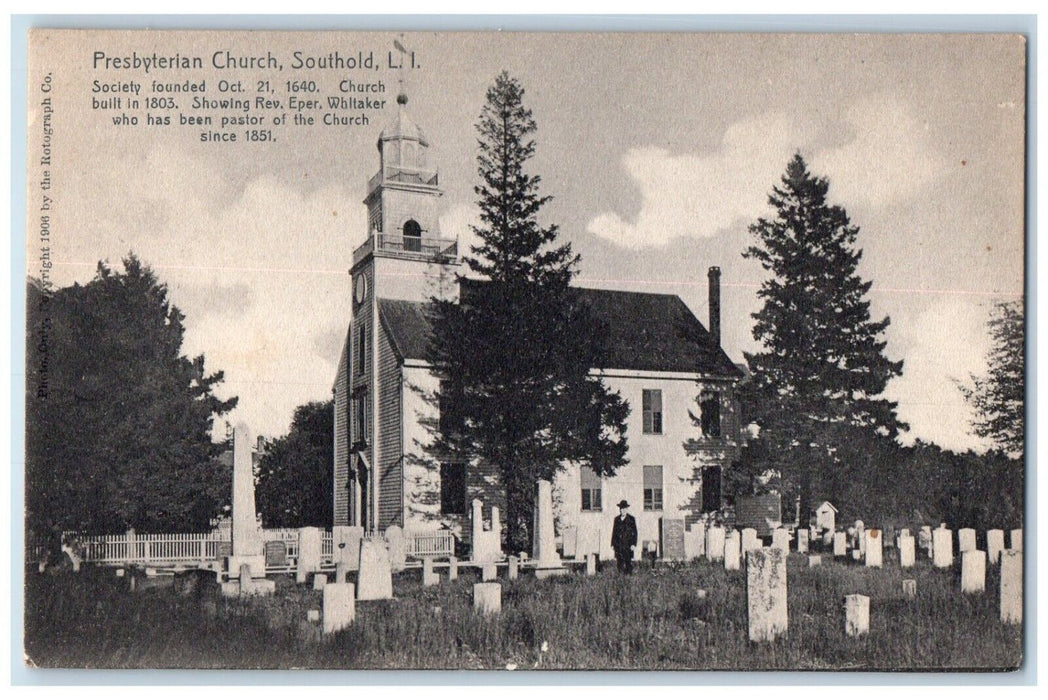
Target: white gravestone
(429, 575)
(487, 598)
(973, 571)
(909, 588)
(488, 572)
(453, 568)
(694, 541)
(802, 541)
(591, 564)
(247, 533)
(339, 607)
(544, 548)
(309, 551)
(715, 544)
(345, 545)
(814, 560)
(570, 538)
(375, 580)
(750, 541)
(907, 552)
(840, 544)
(319, 581)
(513, 570)
(856, 615)
(398, 547)
(1017, 539)
(860, 536)
(994, 546)
(965, 539)
(486, 544)
(1012, 586)
(766, 594)
(342, 571)
(732, 550)
(874, 548)
(942, 548)
(780, 539)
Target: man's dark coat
(624, 534)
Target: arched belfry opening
(412, 236)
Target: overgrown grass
(654, 619)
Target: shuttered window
(591, 489)
(652, 487)
(652, 405)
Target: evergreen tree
(516, 353)
(295, 487)
(818, 379)
(118, 421)
(998, 397)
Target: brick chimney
(715, 306)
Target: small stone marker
(275, 553)
(942, 548)
(313, 615)
(342, 571)
(345, 545)
(994, 546)
(398, 547)
(856, 555)
(973, 571)
(695, 541)
(802, 541)
(1017, 539)
(120, 573)
(715, 544)
(907, 553)
(453, 568)
(814, 560)
(488, 572)
(513, 570)
(319, 581)
(339, 607)
(924, 540)
(591, 564)
(671, 535)
(856, 615)
(1012, 586)
(732, 550)
(309, 550)
(569, 537)
(780, 539)
(750, 541)
(429, 576)
(965, 539)
(909, 587)
(766, 594)
(375, 580)
(487, 598)
(874, 548)
(840, 544)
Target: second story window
(591, 486)
(652, 405)
(652, 487)
(710, 413)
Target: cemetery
(854, 597)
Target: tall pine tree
(515, 354)
(998, 397)
(822, 368)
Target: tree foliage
(998, 397)
(818, 379)
(516, 354)
(118, 421)
(295, 487)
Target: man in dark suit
(624, 538)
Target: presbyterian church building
(680, 384)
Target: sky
(659, 151)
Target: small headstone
(715, 544)
(840, 544)
(909, 587)
(319, 581)
(429, 576)
(965, 539)
(766, 594)
(907, 553)
(695, 541)
(313, 615)
(780, 539)
(453, 568)
(398, 547)
(1012, 586)
(973, 571)
(120, 573)
(339, 607)
(856, 555)
(488, 572)
(570, 538)
(750, 541)
(874, 548)
(994, 546)
(1016, 539)
(345, 545)
(342, 571)
(671, 535)
(375, 580)
(942, 548)
(802, 541)
(309, 551)
(487, 598)
(924, 540)
(513, 570)
(856, 615)
(814, 560)
(732, 551)
(591, 564)
(276, 553)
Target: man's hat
(623, 504)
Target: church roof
(646, 332)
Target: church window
(362, 351)
(591, 487)
(453, 488)
(652, 406)
(710, 414)
(652, 487)
(360, 405)
(412, 236)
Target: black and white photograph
(525, 351)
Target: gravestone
(429, 576)
(942, 548)
(671, 538)
(246, 533)
(588, 540)
(907, 553)
(840, 544)
(339, 607)
(874, 548)
(732, 550)
(513, 570)
(276, 553)
(856, 615)
(453, 568)
(715, 544)
(319, 581)
(313, 615)
(994, 546)
(924, 540)
(544, 549)
(1016, 539)
(750, 541)
(802, 541)
(570, 537)
(856, 555)
(398, 547)
(345, 545)
(814, 560)
(780, 539)
(375, 580)
(591, 564)
(488, 572)
(487, 598)
(309, 550)
(1012, 586)
(486, 545)
(695, 541)
(965, 539)
(342, 571)
(909, 587)
(766, 594)
(973, 571)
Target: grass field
(651, 620)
